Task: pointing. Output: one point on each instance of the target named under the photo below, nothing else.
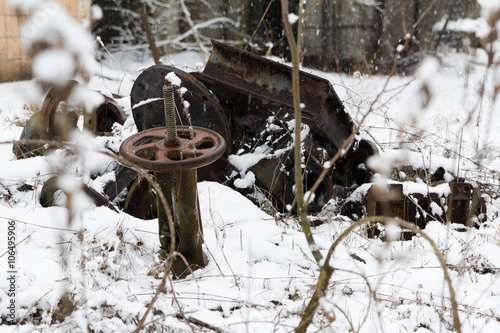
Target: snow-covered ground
(261, 273)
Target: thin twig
(28, 312)
(299, 185)
(37, 225)
(187, 14)
(16, 245)
(327, 270)
(149, 34)
(201, 323)
(104, 47)
(161, 288)
(221, 247)
(181, 315)
(258, 25)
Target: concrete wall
(13, 61)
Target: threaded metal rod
(168, 102)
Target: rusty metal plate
(101, 120)
(141, 200)
(124, 177)
(247, 83)
(204, 107)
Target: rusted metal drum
(46, 126)
(204, 107)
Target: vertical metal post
(180, 189)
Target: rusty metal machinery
(240, 102)
(241, 96)
(46, 126)
(205, 147)
(247, 99)
(249, 86)
(204, 110)
(174, 155)
(252, 90)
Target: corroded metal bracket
(461, 205)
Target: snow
(246, 181)
(174, 79)
(55, 66)
(89, 98)
(464, 25)
(428, 69)
(96, 12)
(261, 272)
(147, 101)
(489, 6)
(182, 91)
(245, 161)
(292, 18)
(435, 209)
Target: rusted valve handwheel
(206, 147)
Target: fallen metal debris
(51, 188)
(247, 100)
(256, 95)
(462, 205)
(250, 86)
(44, 125)
(146, 99)
(100, 121)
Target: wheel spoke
(161, 156)
(198, 152)
(144, 147)
(198, 140)
(187, 153)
